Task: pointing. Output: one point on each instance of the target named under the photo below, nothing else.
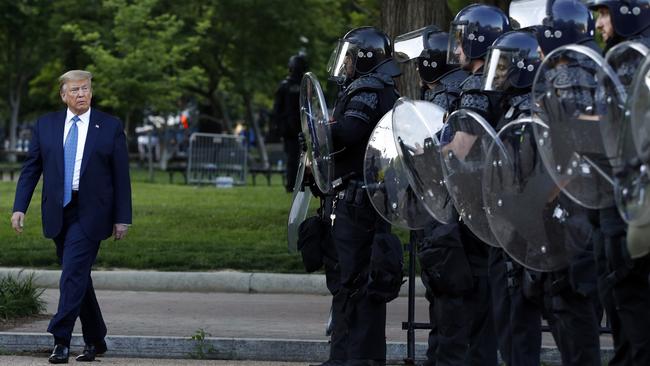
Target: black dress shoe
(60, 354)
(91, 351)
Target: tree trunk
(259, 137)
(401, 16)
(221, 99)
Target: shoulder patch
(570, 76)
(362, 106)
(477, 101)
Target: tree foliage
(140, 63)
(145, 55)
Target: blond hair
(74, 75)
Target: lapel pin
(96, 126)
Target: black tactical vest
(356, 113)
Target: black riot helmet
(512, 62)
(557, 22)
(428, 46)
(297, 65)
(629, 17)
(360, 52)
(473, 30)
(566, 22)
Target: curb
(221, 281)
(261, 349)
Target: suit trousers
(77, 254)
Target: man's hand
(119, 231)
(18, 221)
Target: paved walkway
(240, 325)
(109, 361)
(231, 315)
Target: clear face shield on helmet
(410, 45)
(459, 44)
(342, 62)
(502, 69)
(527, 13)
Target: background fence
(216, 155)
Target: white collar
(83, 118)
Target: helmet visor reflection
(410, 45)
(456, 54)
(501, 64)
(527, 13)
(339, 60)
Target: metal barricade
(216, 155)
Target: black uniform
(623, 282)
(571, 303)
(359, 318)
(566, 298)
(517, 316)
(286, 112)
(452, 288)
(456, 277)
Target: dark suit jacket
(104, 183)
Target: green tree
(248, 42)
(24, 34)
(140, 64)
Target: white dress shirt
(82, 132)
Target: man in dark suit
(82, 155)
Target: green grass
(19, 297)
(176, 228)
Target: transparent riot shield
(632, 181)
(532, 220)
(624, 59)
(416, 129)
(316, 128)
(639, 105)
(386, 180)
(299, 206)
(464, 141)
(575, 94)
(633, 195)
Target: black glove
(302, 142)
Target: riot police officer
(516, 299)
(363, 66)
(286, 115)
(570, 296)
(625, 278)
(446, 274)
(472, 31)
(622, 21)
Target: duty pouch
(386, 267)
(311, 235)
(445, 262)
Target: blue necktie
(69, 157)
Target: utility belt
(350, 190)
